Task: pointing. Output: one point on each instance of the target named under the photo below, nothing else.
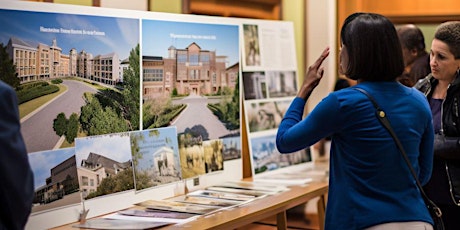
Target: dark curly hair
(449, 33)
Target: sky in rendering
(94, 34)
(42, 163)
(158, 36)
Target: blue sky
(42, 162)
(119, 35)
(158, 36)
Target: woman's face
(442, 62)
(343, 59)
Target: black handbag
(434, 210)
(453, 170)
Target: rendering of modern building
(44, 62)
(63, 181)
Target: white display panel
(101, 36)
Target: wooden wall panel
(260, 9)
(409, 11)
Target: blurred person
(416, 59)
(17, 184)
(442, 89)
(370, 184)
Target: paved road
(37, 130)
(196, 114)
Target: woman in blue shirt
(370, 185)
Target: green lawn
(30, 106)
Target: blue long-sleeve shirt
(369, 182)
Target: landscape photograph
(74, 75)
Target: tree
(96, 120)
(131, 91)
(72, 128)
(88, 110)
(135, 138)
(60, 124)
(7, 68)
(106, 121)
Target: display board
(270, 83)
(148, 102)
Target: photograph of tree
(55, 179)
(155, 155)
(104, 164)
(265, 156)
(75, 75)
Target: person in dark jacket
(16, 177)
(442, 89)
(416, 59)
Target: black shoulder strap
(386, 123)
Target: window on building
(194, 74)
(194, 60)
(84, 181)
(153, 75)
(204, 58)
(181, 58)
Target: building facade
(45, 62)
(187, 71)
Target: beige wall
(320, 33)
(294, 10)
(168, 6)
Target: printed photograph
(155, 157)
(252, 185)
(213, 159)
(251, 45)
(249, 192)
(55, 179)
(191, 154)
(206, 201)
(156, 214)
(168, 205)
(265, 156)
(104, 164)
(75, 75)
(221, 195)
(191, 78)
(281, 84)
(119, 224)
(254, 85)
(265, 115)
(231, 148)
